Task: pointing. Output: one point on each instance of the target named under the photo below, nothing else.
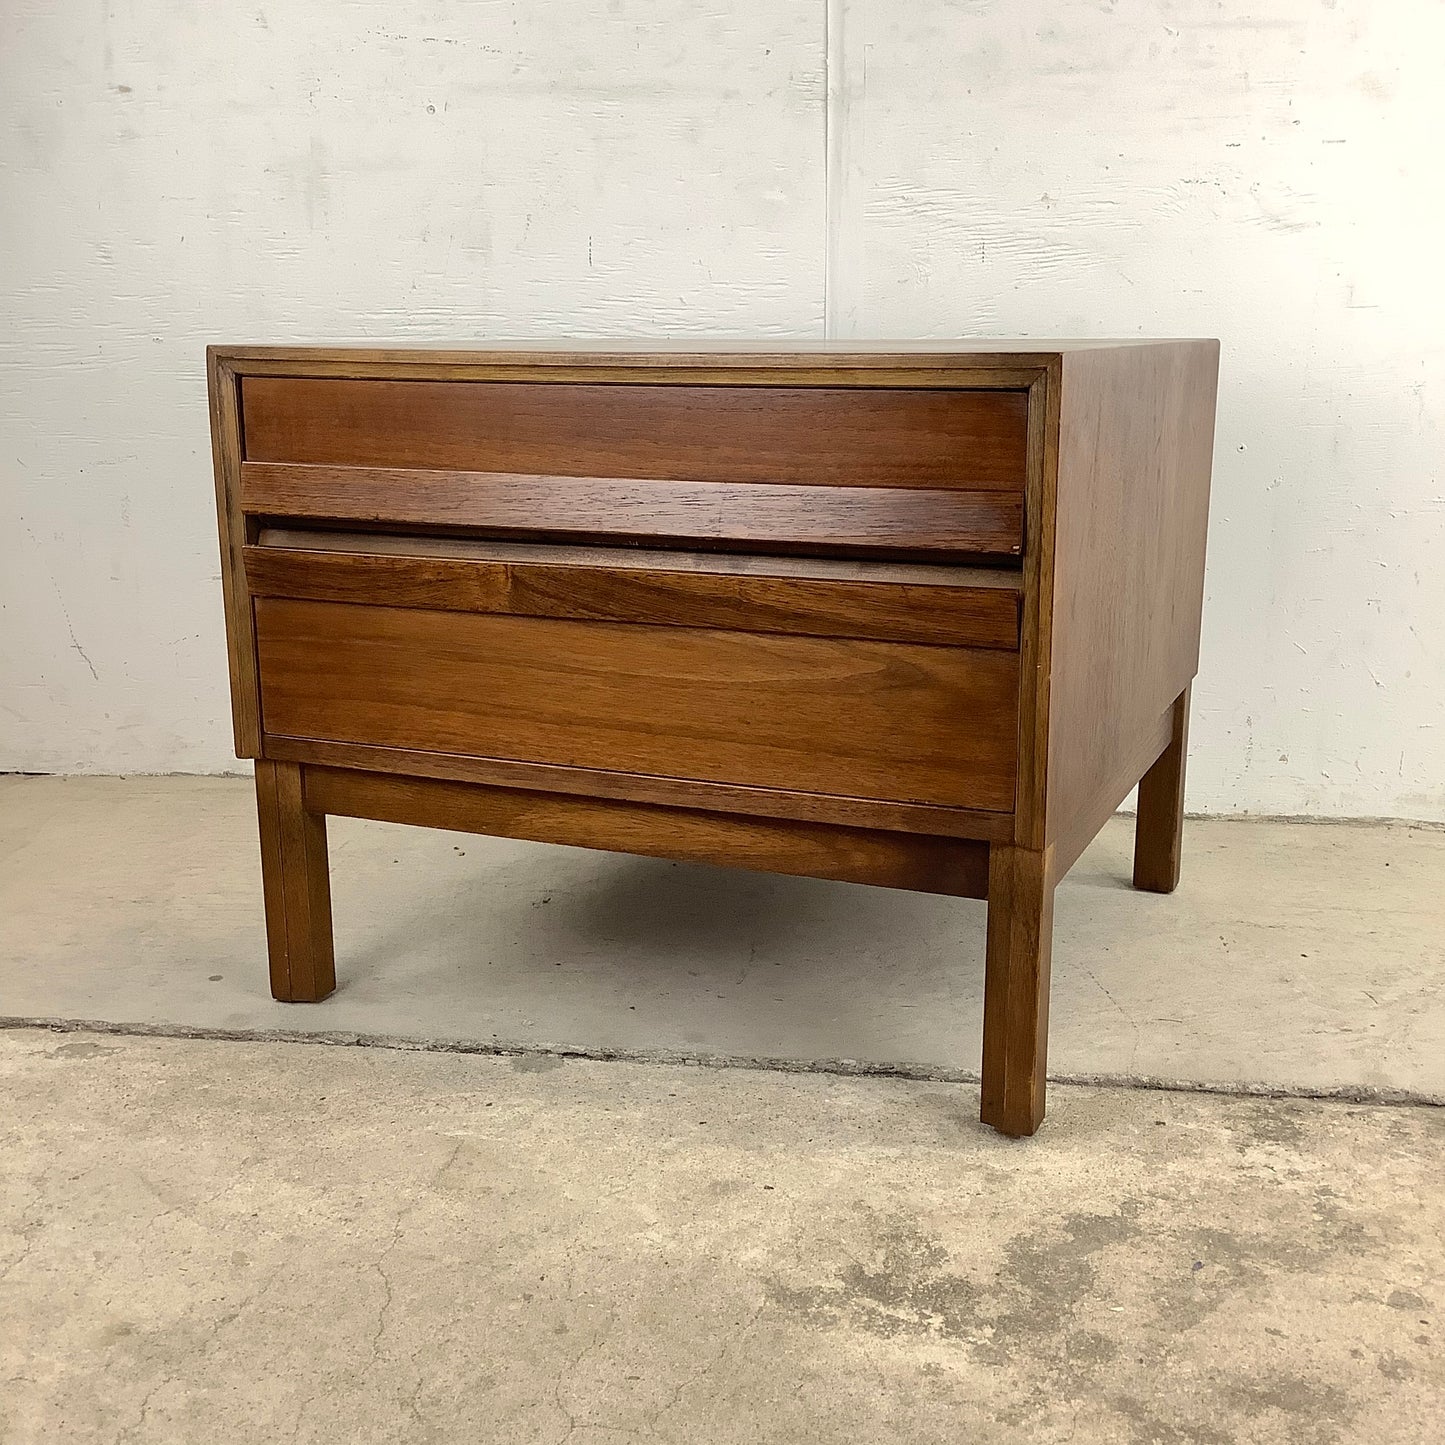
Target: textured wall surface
(177, 173)
(448, 172)
(1265, 172)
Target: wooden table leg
(1016, 989)
(296, 884)
(1159, 828)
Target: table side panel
(1135, 448)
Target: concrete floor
(1306, 957)
(261, 1241)
(244, 1242)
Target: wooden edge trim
(816, 850)
(932, 520)
(1084, 826)
(645, 788)
(1036, 613)
(1001, 371)
(886, 611)
(222, 390)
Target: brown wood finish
(949, 573)
(223, 390)
(712, 797)
(296, 885)
(824, 715)
(1095, 811)
(523, 583)
(506, 591)
(1036, 621)
(1136, 441)
(1159, 827)
(789, 518)
(896, 437)
(815, 850)
(1016, 989)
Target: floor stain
(900, 1284)
(1407, 1299)
(537, 1063)
(1270, 1122)
(80, 1049)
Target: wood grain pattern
(411, 576)
(760, 517)
(1091, 813)
(1135, 446)
(295, 884)
(814, 850)
(880, 437)
(858, 718)
(1036, 612)
(657, 559)
(859, 704)
(222, 390)
(1159, 827)
(1016, 989)
(833, 809)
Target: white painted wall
(176, 173)
(1267, 171)
(173, 173)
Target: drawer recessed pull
(752, 516)
(889, 602)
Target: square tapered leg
(1159, 828)
(296, 884)
(1016, 989)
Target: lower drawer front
(854, 718)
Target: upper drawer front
(819, 436)
(791, 468)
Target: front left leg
(1016, 989)
(296, 884)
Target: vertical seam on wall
(833, 88)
